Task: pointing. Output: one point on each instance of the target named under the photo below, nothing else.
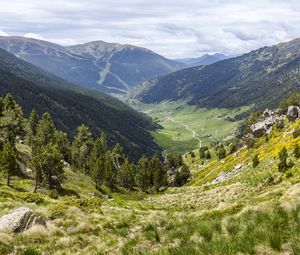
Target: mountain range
(71, 106)
(108, 67)
(260, 78)
(206, 59)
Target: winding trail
(194, 134)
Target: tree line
(52, 150)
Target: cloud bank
(172, 28)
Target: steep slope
(108, 67)
(261, 78)
(35, 88)
(206, 59)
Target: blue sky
(175, 29)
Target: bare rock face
(20, 220)
(293, 113)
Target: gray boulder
(20, 220)
(293, 113)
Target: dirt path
(194, 134)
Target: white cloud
(172, 28)
(2, 33)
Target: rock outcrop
(20, 220)
(266, 123)
(293, 113)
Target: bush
(297, 151)
(296, 132)
(283, 165)
(255, 161)
(53, 194)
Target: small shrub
(30, 251)
(255, 161)
(297, 151)
(296, 132)
(283, 166)
(53, 194)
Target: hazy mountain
(206, 59)
(260, 78)
(97, 65)
(72, 106)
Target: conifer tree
(11, 120)
(8, 163)
(283, 165)
(297, 151)
(207, 155)
(158, 176)
(31, 127)
(61, 140)
(255, 161)
(45, 131)
(127, 175)
(48, 163)
(143, 174)
(81, 148)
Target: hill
(206, 59)
(72, 106)
(260, 78)
(254, 210)
(108, 67)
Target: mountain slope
(97, 65)
(203, 60)
(260, 78)
(70, 108)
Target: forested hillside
(260, 78)
(72, 106)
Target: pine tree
(81, 148)
(48, 163)
(61, 140)
(127, 175)
(96, 161)
(208, 155)
(158, 177)
(221, 152)
(283, 165)
(297, 151)
(31, 127)
(143, 173)
(45, 131)
(255, 161)
(11, 120)
(8, 163)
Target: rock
(20, 220)
(293, 113)
(28, 170)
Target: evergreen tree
(127, 175)
(61, 140)
(96, 161)
(208, 155)
(182, 175)
(81, 147)
(11, 120)
(8, 163)
(158, 177)
(255, 161)
(283, 165)
(48, 164)
(297, 151)
(31, 127)
(143, 174)
(45, 131)
(221, 152)
(118, 156)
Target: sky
(175, 29)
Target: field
(186, 128)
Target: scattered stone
(293, 113)
(20, 220)
(222, 177)
(28, 170)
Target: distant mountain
(108, 67)
(206, 59)
(72, 106)
(260, 78)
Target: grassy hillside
(256, 211)
(260, 78)
(178, 121)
